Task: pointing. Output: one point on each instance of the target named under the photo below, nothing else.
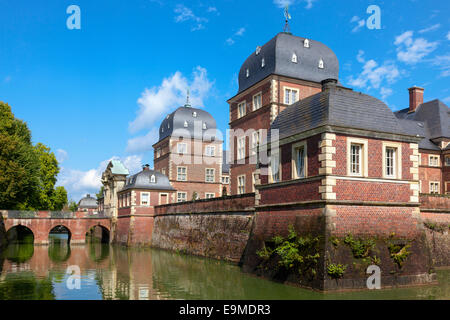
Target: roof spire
(188, 104)
(287, 17)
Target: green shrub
(360, 248)
(336, 271)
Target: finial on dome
(287, 17)
(188, 104)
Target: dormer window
(168, 116)
(168, 125)
(306, 43)
(263, 63)
(194, 114)
(294, 58)
(204, 125)
(320, 64)
(185, 124)
(162, 129)
(258, 50)
(247, 73)
(153, 178)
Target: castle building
(289, 69)
(136, 201)
(88, 204)
(189, 153)
(113, 180)
(281, 72)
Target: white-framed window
(225, 180)
(209, 175)
(357, 157)
(433, 161)
(209, 195)
(181, 173)
(306, 43)
(182, 148)
(294, 58)
(263, 63)
(247, 73)
(242, 109)
(163, 171)
(145, 198)
(241, 184)
(390, 160)
(241, 148)
(181, 196)
(434, 187)
(257, 101)
(299, 160)
(158, 152)
(210, 151)
(321, 66)
(447, 161)
(255, 141)
(152, 178)
(275, 167)
(290, 95)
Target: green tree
(28, 174)
(73, 206)
(19, 164)
(100, 193)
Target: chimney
(145, 167)
(328, 83)
(415, 98)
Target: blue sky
(99, 92)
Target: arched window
(194, 114)
(321, 64)
(306, 43)
(263, 63)
(152, 178)
(185, 124)
(258, 50)
(247, 74)
(204, 125)
(294, 58)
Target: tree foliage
(27, 173)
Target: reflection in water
(112, 272)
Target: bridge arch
(59, 229)
(19, 233)
(98, 232)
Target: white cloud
(374, 76)
(410, 50)
(143, 143)
(231, 40)
(159, 100)
(447, 99)
(212, 9)
(448, 35)
(186, 14)
(78, 182)
(359, 23)
(284, 3)
(385, 92)
(61, 155)
(443, 63)
(431, 28)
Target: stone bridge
(41, 223)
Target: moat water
(114, 272)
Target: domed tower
(284, 70)
(189, 152)
(88, 204)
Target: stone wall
(435, 214)
(214, 228)
(2, 233)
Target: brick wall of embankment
(435, 214)
(216, 228)
(2, 233)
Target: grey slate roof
(174, 124)
(430, 120)
(277, 54)
(87, 202)
(142, 180)
(225, 163)
(337, 106)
